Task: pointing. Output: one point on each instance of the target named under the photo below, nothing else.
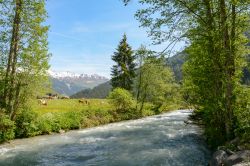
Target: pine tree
(123, 71)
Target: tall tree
(23, 41)
(123, 71)
(154, 82)
(214, 31)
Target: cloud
(66, 36)
(79, 27)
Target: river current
(153, 141)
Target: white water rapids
(153, 141)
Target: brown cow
(84, 101)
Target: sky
(84, 34)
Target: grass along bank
(68, 114)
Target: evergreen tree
(123, 71)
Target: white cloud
(79, 27)
(66, 36)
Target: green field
(60, 115)
(69, 105)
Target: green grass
(68, 105)
(67, 114)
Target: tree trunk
(13, 55)
(229, 71)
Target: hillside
(64, 88)
(175, 63)
(101, 91)
(68, 83)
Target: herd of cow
(44, 100)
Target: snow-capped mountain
(67, 74)
(69, 83)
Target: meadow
(68, 105)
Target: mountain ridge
(69, 83)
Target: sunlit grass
(66, 105)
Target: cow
(42, 102)
(84, 101)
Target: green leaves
(121, 100)
(154, 81)
(216, 51)
(24, 53)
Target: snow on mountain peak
(68, 74)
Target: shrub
(25, 124)
(148, 110)
(70, 120)
(46, 123)
(7, 128)
(121, 100)
(243, 114)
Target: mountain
(69, 83)
(101, 91)
(175, 63)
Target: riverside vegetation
(216, 53)
(68, 114)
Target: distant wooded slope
(101, 91)
(175, 63)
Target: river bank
(157, 140)
(232, 153)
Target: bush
(121, 100)
(46, 124)
(7, 128)
(243, 114)
(25, 124)
(68, 120)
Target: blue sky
(84, 33)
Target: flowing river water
(157, 140)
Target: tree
(123, 71)
(154, 81)
(24, 53)
(214, 31)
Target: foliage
(154, 82)
(7, 128)
(243, 114)
(214, 31)
(25, 124)
(121, 100)
(123, 71)
(24, 52)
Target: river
(153, 141)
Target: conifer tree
(123, 71)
